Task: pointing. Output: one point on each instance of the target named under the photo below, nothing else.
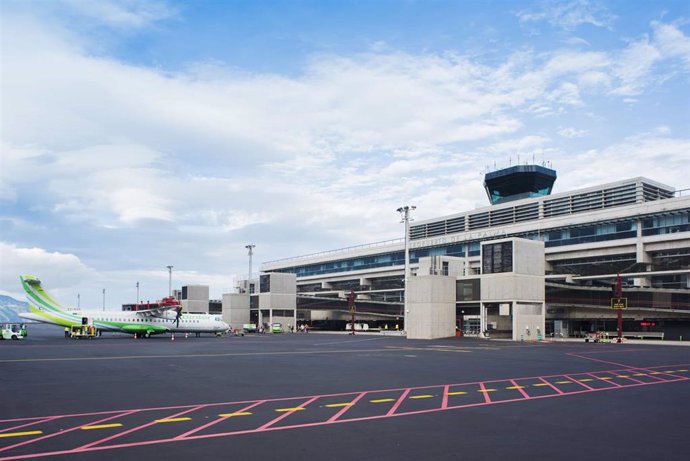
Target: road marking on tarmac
(100, 426)
(340, 416)
(172, 420)
(21, 434)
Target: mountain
(9, 307)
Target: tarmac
(337, 397)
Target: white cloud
(665, 159)
(571, 132)
(570, 15)
(63, 268)
(671, 41)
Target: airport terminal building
(528, 255)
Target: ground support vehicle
(12, 331)
(82, 331)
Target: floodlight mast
(250, 248)
(405, 218)
(170, 268)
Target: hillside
(9, 307)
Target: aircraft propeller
(177, 317)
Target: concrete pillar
(642, 257)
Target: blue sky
(138, 134)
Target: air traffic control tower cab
(518, 182)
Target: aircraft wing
(156, 311)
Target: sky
(140, 134)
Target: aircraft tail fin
(37, 297)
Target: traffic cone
(186, 335)
(172, 338)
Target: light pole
(137, 292)
(103, 298)
(405, 218)
(250, 247)
(169, 280)
(78, 300)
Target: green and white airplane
(165, 318)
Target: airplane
(163, 318)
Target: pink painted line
(343, 410)
(444, 401)
(524, 394)
(487, 399)
(173, 407)
(651, 376)
(134, 429)
(633, 379)
(339, 421)
(214, 422)
(610, 381)
(598, 360)
(552, 386)
(285, 415)
(65, 431)
(399, 402)
(39, 421)
(669, 374)
(578, 382)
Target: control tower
(518, 182)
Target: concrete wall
(196, 300)
(283, 283)
(528, 322)
(236, 309)
(194, 305)
(523, 289)
(528, 257)
(431, 306)
(506, 287)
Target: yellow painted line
(335, 405)
(382, 400)
(283, 410)
(639, 374)
(586, 380)
(516, 387)
(486, 390)
(564, 382)
(606, 377)
(681, 371)
(457, 393)
(239, 413)
(622, 376)
(655, 373)
(100, 426)
(21, 434)
(172, 420)
(669, 371)
(426, 396)
(539, 384)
